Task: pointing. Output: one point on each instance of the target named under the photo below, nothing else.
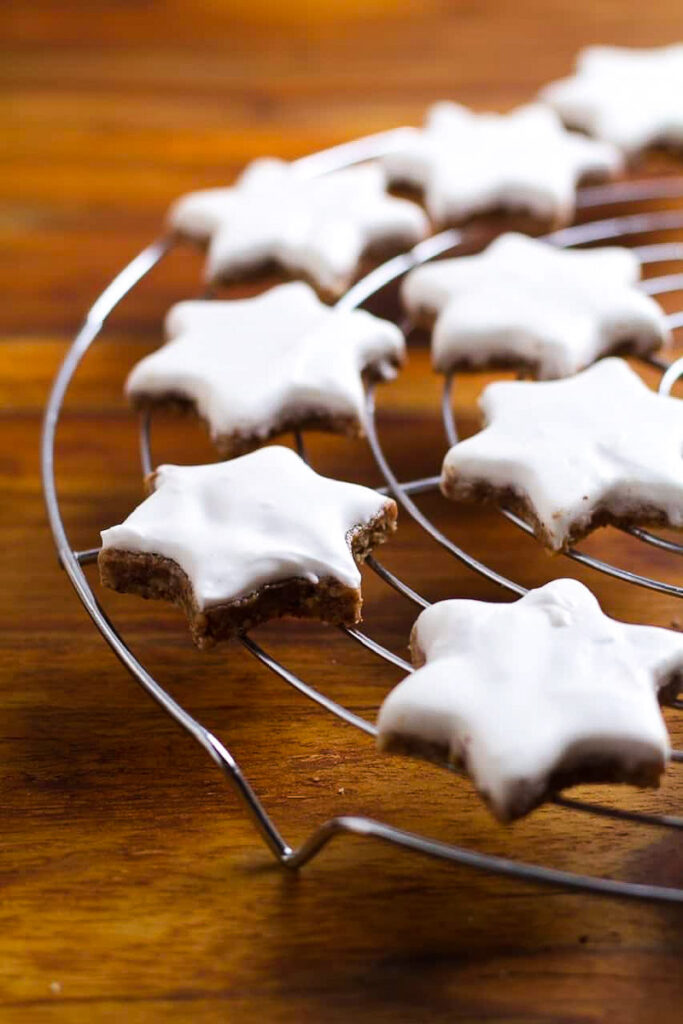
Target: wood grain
(133, 887)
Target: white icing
(319, 227)
(523, 299)
(601, 438)
(516, 690)
(632, 98)
(235, 526)
(251, 363)
(469, 163)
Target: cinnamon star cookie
(527, 304)
(236, 543)
(535, 696)
(253, 368)
(574, 454)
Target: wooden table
(133, 887)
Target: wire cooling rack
(620, 228)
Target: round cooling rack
(624, 228)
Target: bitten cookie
(527, 304)
(468, 163)
(574, 454)
(253, 368)
(631, 98)
(535, 696)
(316, 228)
(236, 543)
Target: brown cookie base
(532, 367)
(483, 492)
(156, 577)
(527, 795)
(502, 217)
(424, 318)
(488, 222)
(374, 254)
(233, 444)
(229, 446)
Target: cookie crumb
(55, 988)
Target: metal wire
(630, 191)
(73, 561)
(409, 505)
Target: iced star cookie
(253, 368)
(631, 98)
(574, 454)
(528, 304)
(468, 163)
(236, 543)
(317, 228)
(535, 696)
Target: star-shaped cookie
(236, 543)
(470, 163)
(535, 696)
(528, 304)
(317, 228)
(631, 98)
(253, 368)
(573, 454)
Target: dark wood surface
(133, 887)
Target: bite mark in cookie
(240, 542)
(535, 696)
